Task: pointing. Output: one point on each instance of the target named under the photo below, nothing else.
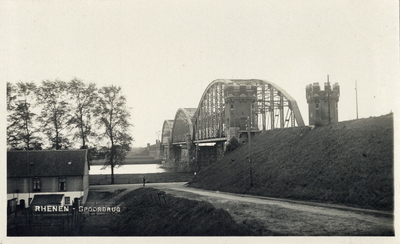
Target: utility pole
(251, 171)
(329, 101)
(197, 156)
(249, 140)
(356, 100)
(30, 179)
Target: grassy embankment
(150, 212)
(347, 163)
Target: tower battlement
(322, 104)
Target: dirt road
(288, 218)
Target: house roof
(42, 163)
(47, 199)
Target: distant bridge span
(228, 108)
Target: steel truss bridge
(227, 109)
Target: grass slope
(347, 163)
(150, 212)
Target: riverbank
(132, 158)
(138, 178)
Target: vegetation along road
(280, 216)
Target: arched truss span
(183, 125)
(279, 108)
(167, 132)
(269, 107)
(209, 117)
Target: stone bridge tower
(322, 104)
(240, 110)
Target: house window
(317, 105)
(67, 200)
(61, 184)
(36, 184)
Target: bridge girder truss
(273, 108)
(209, 117)
(182, 130)
(166, 134)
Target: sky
(165, 53)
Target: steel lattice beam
(273, 108)
(269, 107)
(183, 125)
(228, 108)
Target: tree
(55, 113)
(11, 96)
(11, 135)
(20, 129)
(113, 117)
(84, 98)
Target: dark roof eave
(33, 176)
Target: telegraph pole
(356, 100)
(329, 101)
(249, 140)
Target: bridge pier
(182, 158)
(208, 153)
